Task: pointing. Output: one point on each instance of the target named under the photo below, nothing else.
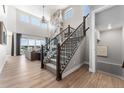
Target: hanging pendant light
(43, 20)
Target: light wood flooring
(20, 73)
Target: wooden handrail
(87, 28)
(72, 28)
(87, 15)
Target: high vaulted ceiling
(37, 10)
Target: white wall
(9, 42)
(28, 28)
(14, 25)
(2, 47)
(11, 19)
(113, 16)
(77, 16)
(2, 56)
(3, 15)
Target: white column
(123, 48)
(14, 44)
(122, 43)
(9, 42)
(92, 52)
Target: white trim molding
(92, 40)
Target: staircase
(56, 54)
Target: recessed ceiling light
(109, 26)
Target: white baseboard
(120, 77)
(90, 70)
(107, 62)
(71, 70)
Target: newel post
(123, 64)
(69, 30)
(84, 25)
(58, 65)
(42, 57)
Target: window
(35, 21)
(68, 13)
(44, 25)
(42, 42)
(38, 42)
(86, 10)
(31, 42)
(24, 18)
(24, 42)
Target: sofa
(32, 54)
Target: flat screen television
(3, 34)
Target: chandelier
(43, 20)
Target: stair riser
(67, 50)
(53, 62)
(50, 69)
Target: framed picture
(102, 51)
(3, 34)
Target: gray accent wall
(113, 16)
(113, 40)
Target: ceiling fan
(43, 20)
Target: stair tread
(51, 65)
(53, 59)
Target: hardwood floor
(19, 72)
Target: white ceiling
(37, 10)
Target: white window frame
(66, 15)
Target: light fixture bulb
(109, 26)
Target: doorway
(109, 50)
(109, 40)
